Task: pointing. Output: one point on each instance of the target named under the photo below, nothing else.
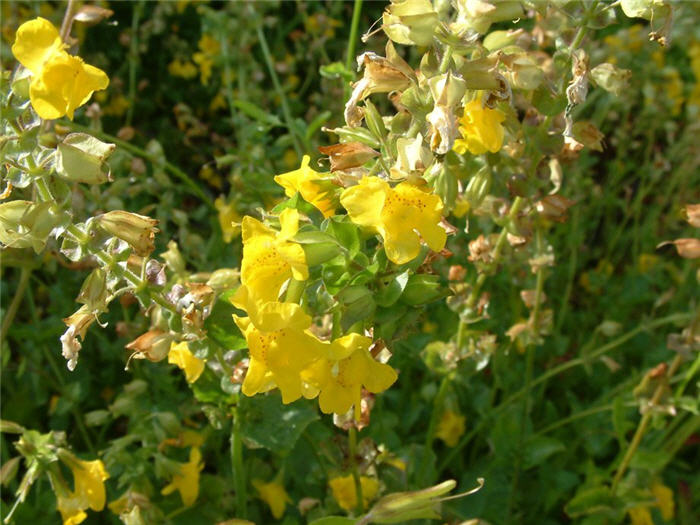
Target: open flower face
(60, 82)
(481, 130)
(313, 187)
(89, 491)
(401, 215)
(270, 258)
(280, 348)
(348, 367)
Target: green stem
(643, 424)
(437, 409)
(574, 417)
(135, 150)
(352, 440)
(352, 41)
(24, 275)
(446, 59)
(239, 477)
(278, 88)
(133, 59)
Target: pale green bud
(410, 22)
(611, 78)
(404, 506)
(81, 158)
(136, 230)
(25, 224)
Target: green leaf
(336, 70)
(220, 326)
(345, 233)
(539, 448)
(592, 500)
(546, 103)
(423, 288)
(391, 288)
(334, 520)
(316, 124)
(267, 423)
(357, 304)
(257, 113)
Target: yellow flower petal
(274, 495)
(186, 482)
(181, 356)
(481, 129)
(36, 41)
(64, 83)
(313, 187)
(664, 499)
(450, 428)
(343, 489)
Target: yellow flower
(481, 130)
(274, 495)
(208, 49)
(182, 69)
(397, 214)
(187, 480)
(450, 428)
(344, 493)
(269, 257)
(640, 516)
(89, 491)
(340, 376)
(229, 220)
(313, 187)
(280, 346)
(60, 82)
(181, 356)
(664, 500)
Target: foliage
(344, 292)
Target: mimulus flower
(313, 187)
(481, 130)
(343, 488)
(269, 257)
(274, 495)
(181, 356)
(60, 82)
(186, 482)
(280, 348)
(89, 492)
(450, 428)
(401, 216)
(348, 367)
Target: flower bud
(410, 22)
(523, 72)
(173, 259)
(81, 158)
(154, 345)
(348, 155)
(94, 292)
(25, 224)
(499, 39)
(611, 78)
(404, 506)
(137, 230)
(478, 15)
(478, 187)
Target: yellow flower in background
(340, 376)
(450, 428)
(280, 346)
(182, 68)
(181, 356)
(229, 219)
(60, 82)
(398, 215)
(343, 489)
(269, 257)
(274, 495)
(204, 58)
(664, 500)
(186, 481)
(640, 516)
(313, 187)
(481, 130)
(71, 510)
